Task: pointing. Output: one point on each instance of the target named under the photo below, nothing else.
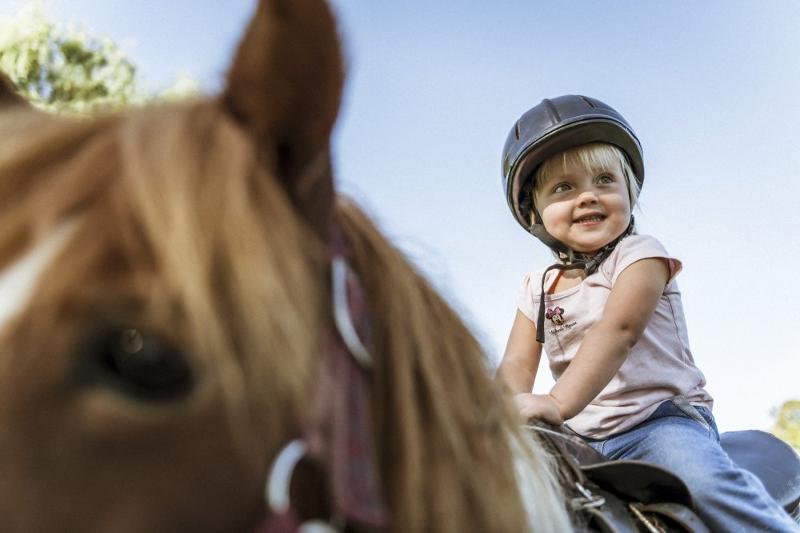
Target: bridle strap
(341, 430)
(339, 435)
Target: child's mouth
(589, 220)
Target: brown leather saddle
(630, 496)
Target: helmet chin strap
(572, 260)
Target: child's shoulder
(531, 280)
(638, 245)
(634, 248)
(531, 286)
(640, 240)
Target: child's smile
(585, 208)
(590, 219)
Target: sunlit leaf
(787, 423)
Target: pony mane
(447, 439)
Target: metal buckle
(276, 492)
(341, 313)
(587, 500)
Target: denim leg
(728, 498)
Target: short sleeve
(527, 296)
(635, 248)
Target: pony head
(162, 301)
(164, 276)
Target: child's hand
(538, 406)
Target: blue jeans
(728, 498)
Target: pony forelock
(180, 195)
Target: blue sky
(711, 88)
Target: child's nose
(587, 197)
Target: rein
(339, 437)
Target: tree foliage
(787, 423)
(70, 70)
(65, 69)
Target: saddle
(618, 496)
(773, 461)
(630, 496)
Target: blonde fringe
(216, 219)
(178, 194)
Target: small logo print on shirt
(556, 315)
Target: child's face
(584, 209)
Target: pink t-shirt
(659, 366)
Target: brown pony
(164, 277)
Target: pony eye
(142, 366)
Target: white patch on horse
(18, 280)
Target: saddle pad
(773, 461)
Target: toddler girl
(609, 313)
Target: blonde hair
(591, 156)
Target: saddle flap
(773, 461)
(639, 481)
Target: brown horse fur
(8, 92)
(192, 223)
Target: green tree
(65, 70)
(787, 423)
(72, 71)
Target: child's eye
(561, 187)
(605, 178)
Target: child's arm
(518, 369)
(630, 306)
(521, 358)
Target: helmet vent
(516, 129)
(588, 102)
(552, 111)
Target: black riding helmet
(553, 126)
(549, 128)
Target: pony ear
(285, 87)
(8, 92)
